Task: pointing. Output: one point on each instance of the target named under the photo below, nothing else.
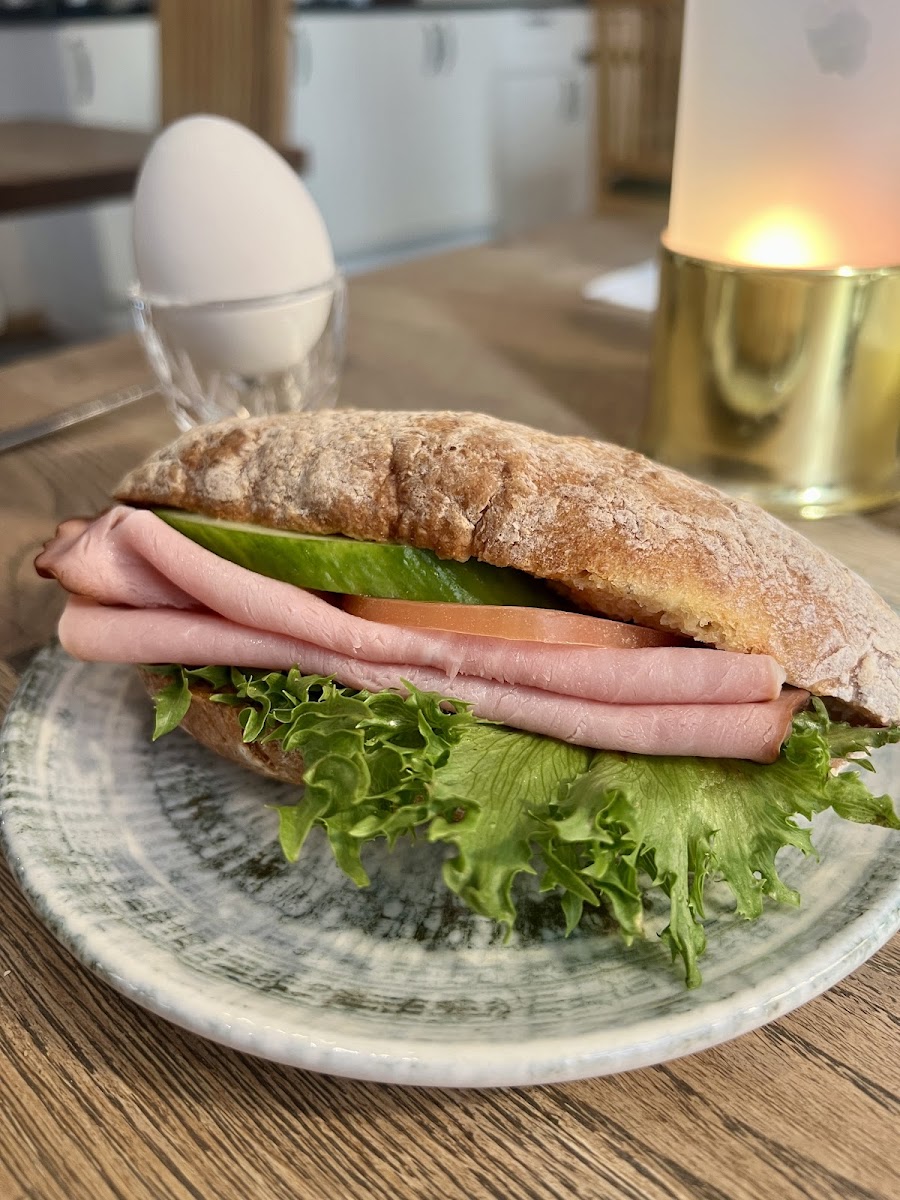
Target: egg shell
(219, 216)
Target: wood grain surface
(228, 57)
(99, 1099)
(45, 164)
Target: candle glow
(787, 146)
(783, 237)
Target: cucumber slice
(339, 564)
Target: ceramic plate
(158, 866)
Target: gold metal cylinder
(781, 386)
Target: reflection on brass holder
(781, 386)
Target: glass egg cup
(245, 358)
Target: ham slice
(755, 731)
(142, 592)
(93, 558)
(131, 557)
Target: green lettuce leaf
(497, 783)
(682, 821)
(171, 704)
(598, 828)
(370, 758)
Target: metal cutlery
(22, 435)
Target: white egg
(220, 217)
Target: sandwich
(552, 654)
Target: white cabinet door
(12, 46)
(444, 139)
(542, 157)
(330, 118)
(106, 73)
(543, 118)
(582, 124)
(392, 109)
(535, 39)
(31, 80)
(94, 72)
(10, 99)
(111, 74)
(30, 86)
(111, 71)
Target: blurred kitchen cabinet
(103, 73)
(536, 39)
(394, 113)
(447, 159)
(22, 50)
(542, 149)
(110, 71)
(30, 78)
(10, 87)
(329, 78)
(425, 129)
(543, 119)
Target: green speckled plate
(157, 865)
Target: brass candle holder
(779, 385)
(777, 358)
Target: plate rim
(470, 1063)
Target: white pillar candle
(787, 151)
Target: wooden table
(45, 164)
(99, 1099)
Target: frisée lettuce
(599, 828)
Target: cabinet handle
(302, 55)
(83, 71)
(570, 99)
(441, 48)
(435, 47)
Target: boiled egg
(232, 254)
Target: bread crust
(619, 534)
(217, 727)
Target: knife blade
(97, 407)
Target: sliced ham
(755, 731)
(142, 592)
(131, 557)
(96, 559)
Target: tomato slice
(513, 623)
